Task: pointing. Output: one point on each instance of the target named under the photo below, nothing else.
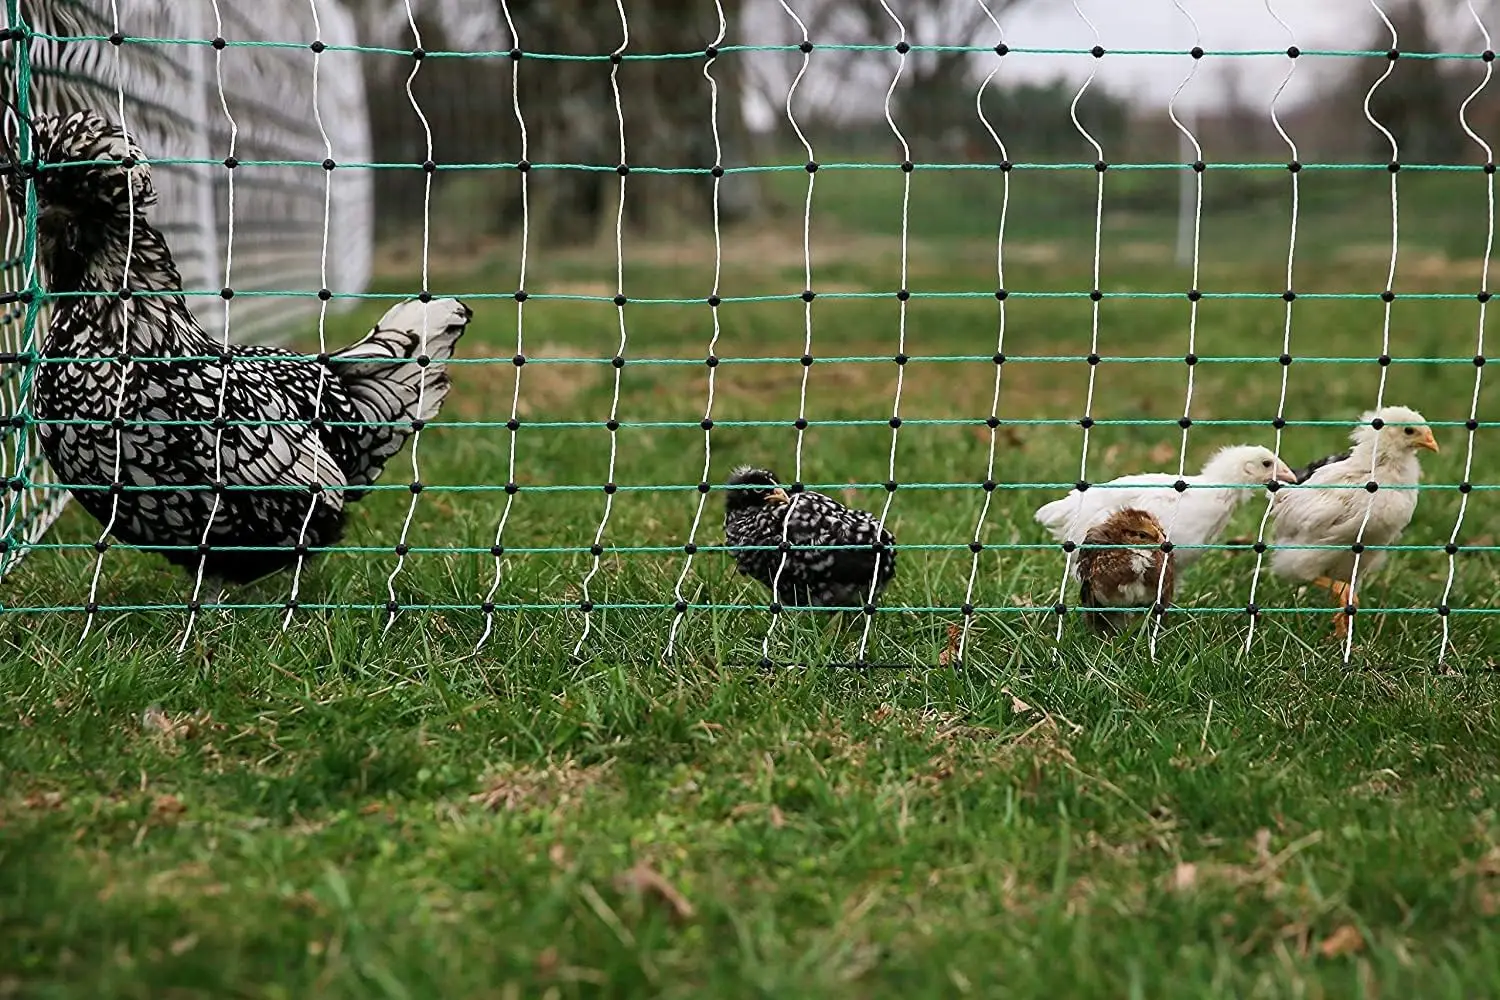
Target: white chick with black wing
(132, 436)
(1328, 506)
(1202, 510)
(757, 511)
(1113, 577)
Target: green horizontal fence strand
(1381, 54)
(1024, 609)
(512, 550)
(694, 488)
(771, 168)
(30, 301)
(532, 425)
(750, 299)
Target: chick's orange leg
(1344, 597)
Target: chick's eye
(1411, 430)
(1266, 464)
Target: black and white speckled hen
(757, 510)
(282, 424)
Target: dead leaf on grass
(1263, 846)
(1185, 877)
(1006, 434)
(1162, 453)
(950, 650)
(1346, 940)
(1017, 706)
(43, 800)
(648, 882)
(183, 945)
(167, 807)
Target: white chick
(1385, 452)
(1206, 505)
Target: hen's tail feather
(1057, 515)
(387, 383)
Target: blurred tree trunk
(569, 111)
(665, 105)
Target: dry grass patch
(557, 786)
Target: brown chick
(1123, 578)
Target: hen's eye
(1266, 464)
(1411, 430)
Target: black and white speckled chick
(91, 219)
(755, 514)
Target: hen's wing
(1305, 473)
(820, 519)
(264, 440)
(1312, 516)
(1072, 516)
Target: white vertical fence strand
(497, 549)
(1444, 611)
(318, 497)
(619, 367)
(126, 310)
(680, 598)
(1192, 346)
(977, 545)
(812, 177)
(1088, 406)
(342, 124)
(204, 208)
(392, 605)
(211, 240)
(1385, 325)
(1286, 334)
(906, 172)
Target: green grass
(338, 811)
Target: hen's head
(1246, 465)
(1399, 430)
(1127, 527)
(87, 170)
(751, 488)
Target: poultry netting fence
(602, 532)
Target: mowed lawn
(341, 809)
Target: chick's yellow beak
(1427, 440)
(778, 495)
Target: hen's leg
(1343, 597)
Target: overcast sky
(1221, 24)
(1162, 24)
